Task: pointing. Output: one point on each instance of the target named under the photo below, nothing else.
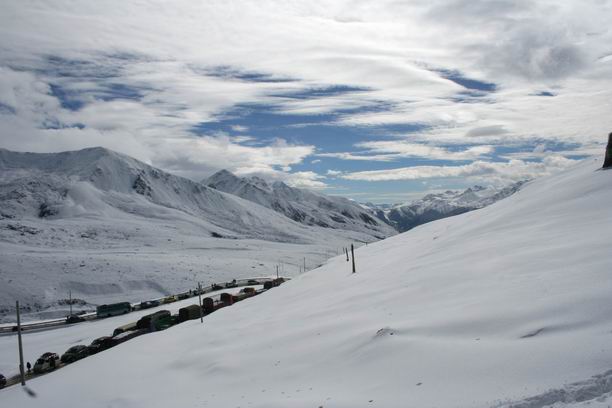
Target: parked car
(73, 318)
(124, 328)
(101, 344)
(216, 286)
(75, 353)
(2, 381)
(252, 282)
(231, 284)
(148, 304)
(125, 336)
(47, 362)
(169, 299)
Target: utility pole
(304, 264)
(276, 271)
(200, 301)
(70, 301)
(21, 372)
(346, 252)
(353, 256)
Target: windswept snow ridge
(495, 305)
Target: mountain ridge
(300, 205)
(434, 206)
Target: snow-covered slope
(478, 310)
(301, 205)
(108, 227)
(441, 205)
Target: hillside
(303, 206)
(406, 216)
(483, 309)
(108, 227)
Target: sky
(379, 101)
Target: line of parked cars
(159, 320)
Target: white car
(46, 362)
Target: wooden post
(353, 256)
(70, 297)
(608, 157)
(276, 271)
(304, 264)
(346, 252)
(200, 300)
(21, 372)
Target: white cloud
(334, 173)
(490, 172)
(390, 150)
(385, 48)
(300, 179)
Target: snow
(110, 228)
(484, 309)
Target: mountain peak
(222, 175)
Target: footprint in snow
(385, 331)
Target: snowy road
(60, 339)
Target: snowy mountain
(301, 205)
(501, 307)
(109, 227)
(98, 181)
(433, 207)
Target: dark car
(73, 318)
(252, 282)
(101, 344)
(216, 286)
(231, 284)
(148, 304)
(75, 353)
(47, 362)
(2, 381)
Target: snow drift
(488, 308)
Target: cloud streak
(492, 172)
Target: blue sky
(378, 102)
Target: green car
(74, 353)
